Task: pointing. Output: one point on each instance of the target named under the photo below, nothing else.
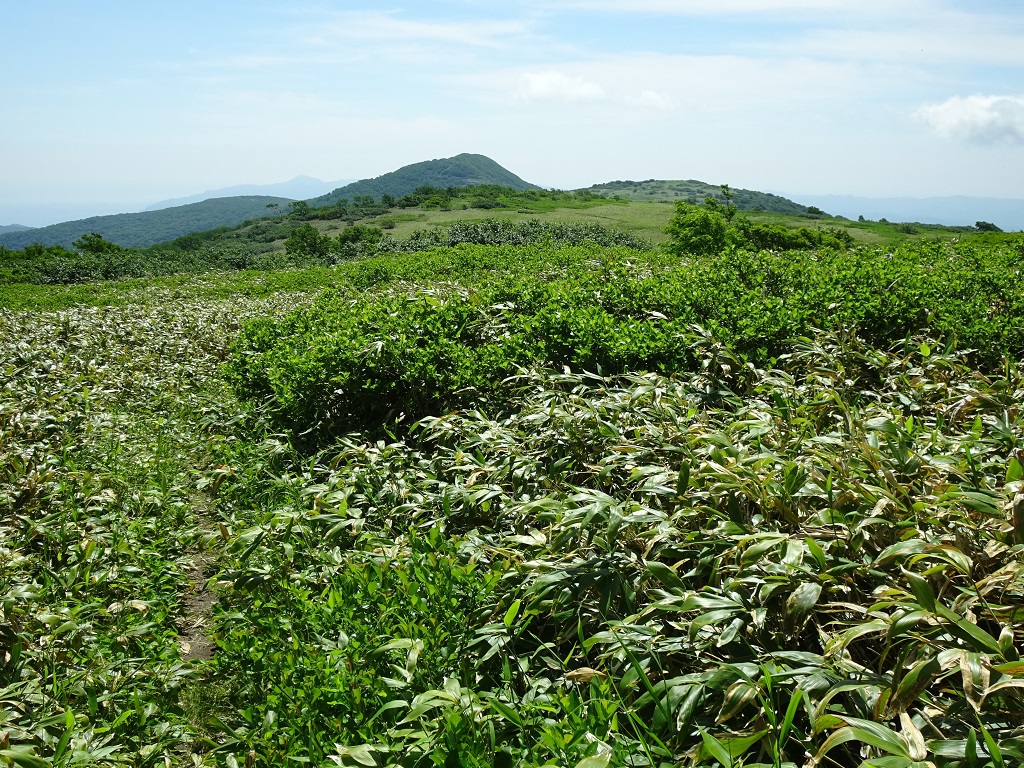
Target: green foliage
(360, 233)
(305, 245)
(743, 566)
(105, 416)
(697, 230)
(707, 230)
(345, 364)
(503, 232)
(786, 530)
(307, 240)
(776, 237)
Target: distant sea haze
(40, 213)
(299, 188)
(1007, 214)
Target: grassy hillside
(137, 230)
(463, 170)
(433, 217)
(695, 192)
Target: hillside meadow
(569, 499)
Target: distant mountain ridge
(299, 188)
(4, 228)
(662, 190)
(465, 170)
(960, 210)
(137, 230)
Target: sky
(110, 106)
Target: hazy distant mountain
(655, 190)
(136, 230)
(1005, 213)
(4, 228)
(299, 188)
(463, 170)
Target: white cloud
(658, 100)
(978, 119)
(554, 86)
(619, 84)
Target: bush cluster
(711, 228)
(305, 246)
(355, 361)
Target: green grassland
(560, 498)
(646, 220)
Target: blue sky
(110, 106)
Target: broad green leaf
(801, 601)
(361, 753)
(866, 731)
(913, 684)
(993, 748)
(716, 749)
(24, 759)
(922, 590)
(507, 712)
(597, 761)
(666, 575)
(787, 722)
(971, 633)
(510, 614)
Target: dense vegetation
(712, 227)
(304, 246)
(347, 362)
(138, 230)
(302, 236)
(502, 495)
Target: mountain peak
(463, 170)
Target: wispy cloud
(378, 27)
(978, 119)
(724, 7)
(554, 86)
(657, 100)
(619, 84)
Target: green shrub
(353, 361)
(696, 230)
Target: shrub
(696, 231)
(356, 361)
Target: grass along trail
(109, 418)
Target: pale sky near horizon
(111, 106)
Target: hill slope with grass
(655, 190)
(463, 170)
(137, 230)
